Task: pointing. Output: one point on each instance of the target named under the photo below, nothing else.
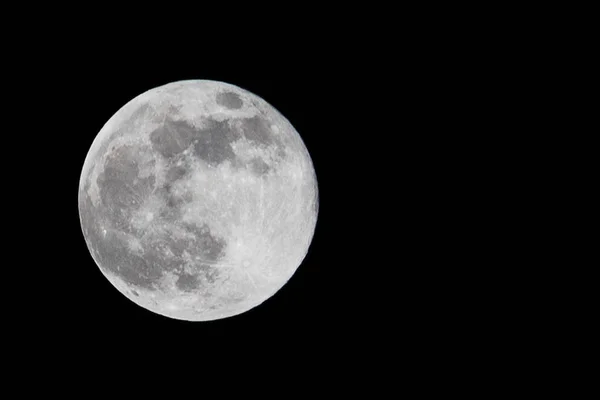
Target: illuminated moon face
(198, 200)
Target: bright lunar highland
(198, 200)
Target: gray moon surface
(198, 200)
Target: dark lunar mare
(175, 173)
(208, 247)
(172, 137)
(187, 282)
(212, 143)
(161, 252)
(111, 250)
(229, 100)
(122, 191)
(257, 130)
(203, 244)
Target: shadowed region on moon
(163, 202)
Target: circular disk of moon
(198, 200)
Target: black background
(413, 119)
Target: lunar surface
(198, 200)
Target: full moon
(198, 200)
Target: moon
(198, 200)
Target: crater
(229, 100)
